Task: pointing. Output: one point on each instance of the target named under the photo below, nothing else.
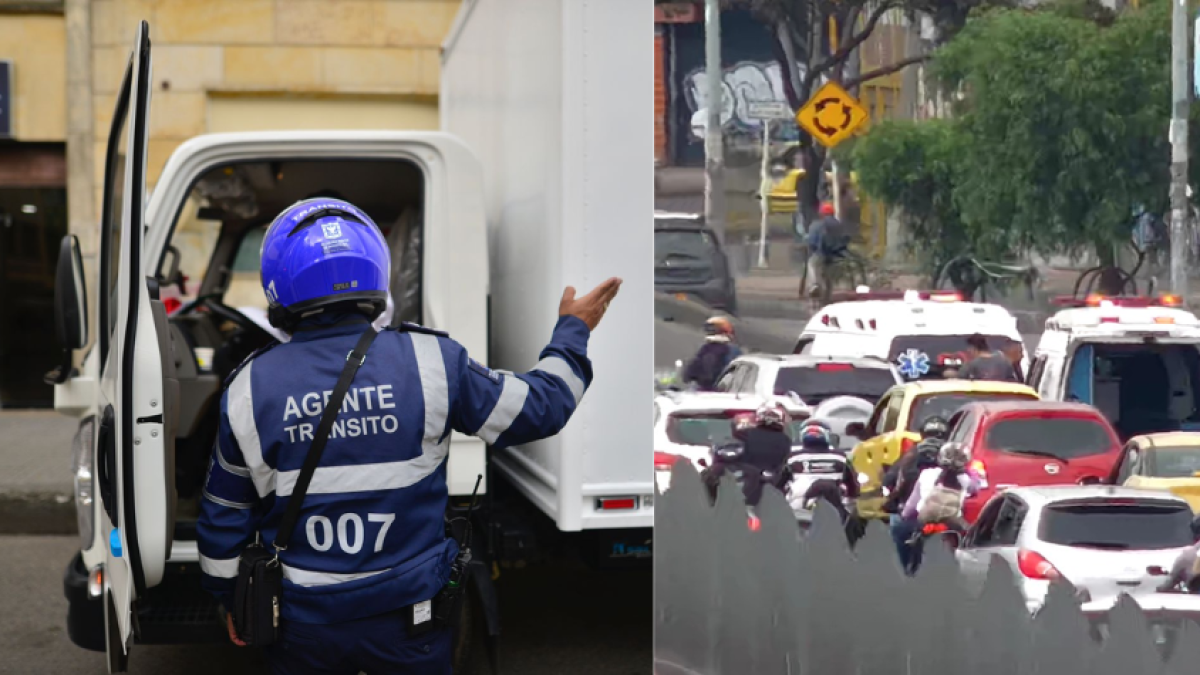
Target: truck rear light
(1110, 319)
(616, 503)
(664, 460)
(945, 297)
(834, 367)
(1164, 319)
(1033, 566)
(872, 324)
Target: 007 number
(350, 531)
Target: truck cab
(1135, 358)
(180, 306)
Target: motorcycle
(949, 535)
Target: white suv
(825, 386)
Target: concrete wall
(36, 45)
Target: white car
(686, 424)
(836, 390)
(1104, 540)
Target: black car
(689, 260)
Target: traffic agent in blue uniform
(369, 551)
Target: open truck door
(135, 446)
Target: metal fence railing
(731, 601)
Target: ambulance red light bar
(1097, 300)
(930, 296)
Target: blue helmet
(815, 436)
(319, 252)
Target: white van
(177, 285)
(922, 332)
(1134, 358)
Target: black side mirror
(70, 308)
(856, 430)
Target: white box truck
(544, 180)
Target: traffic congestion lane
(602, 626)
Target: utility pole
(1180, 99)
(714, 142)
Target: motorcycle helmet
(934, 427)
(815, 436)
(772, 416)
(954, 456)
(320, 252)
(719, 328)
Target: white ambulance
(923, 333)
(1134, 358)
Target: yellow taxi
(894, 426)
(1165, 461)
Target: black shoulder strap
(354, 359)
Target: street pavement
(558, 618)
(35, 472)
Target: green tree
(1066, 122)
(1059, 134)
(912, 166)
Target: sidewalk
(36, 492)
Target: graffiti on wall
(745, 83)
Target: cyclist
(719, 348)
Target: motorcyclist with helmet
(762, 457)
(816, 439)
(938, 495)
(901, 478)
(719, 349)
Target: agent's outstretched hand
(591, 307)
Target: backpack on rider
(945, 501)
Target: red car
(1027, 443)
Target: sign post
(766, 111)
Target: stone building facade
(218, 65)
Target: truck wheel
(118, 660)
(463, 635)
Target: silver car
(1104, 540)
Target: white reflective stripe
(392, 475)
(508, 406)
(225, 502)
(309, 578)
(223, 569)
(436, 394)
(357, 478)
(235, 470)
(557, 366)
(240, 409)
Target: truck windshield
(1117, 525)
(939, 352)
(1063, 437)
(1142, 388)
(815, 383)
